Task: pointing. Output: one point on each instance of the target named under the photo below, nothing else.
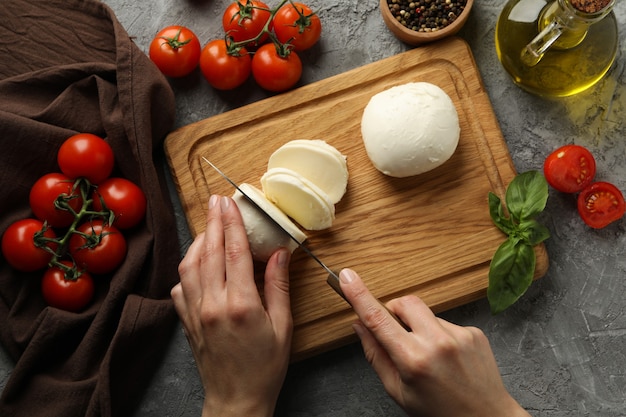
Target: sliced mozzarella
(299, 198)
(316, 161)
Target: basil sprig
(513, 265)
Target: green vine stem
(175, 42)
(85, 212)
(283, 49)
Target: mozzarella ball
(410, 129)
(264, 236)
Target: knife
(333, 277)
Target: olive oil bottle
(554, 49)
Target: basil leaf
(513, 265)
(533, 232)
(526, 195)
(496, 211)
(510, 273)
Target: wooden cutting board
(429, 235)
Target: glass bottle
(558, 47)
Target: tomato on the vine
(124, 198)
(97, 247)
(600, 204)
(276, 68)
(297, 25)
(67, 288)
(175, 50)
(570, 168)
(19, 248)
(223, 70)
(52, 199)
(245, 21)
(86, 155)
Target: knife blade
(332, 274)
(333, 277)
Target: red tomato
(244, 22)
(124, 198)
(221, 69)
(51, 198)
(601, 203)
(175, 50)
(19, 247)
(276, 69)
(87, 156)
(297, 24)
(67, 291)
(97, 247)
(570, 168)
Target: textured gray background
(562, 348)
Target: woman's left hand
(241, 342)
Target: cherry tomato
(86, 155)
(276, 69)
(175, 50)
(297, 24)
(601, 203)
(70, 292)
(51, 198)
(570, 168)
(19, 248)
(221, 69)
(97, 248)
(124, 198)
(246, 21)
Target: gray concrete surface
(562, 348)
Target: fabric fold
(69, 66)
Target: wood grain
(429, 235)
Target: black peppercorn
(426, 15)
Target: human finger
(371, 312)
(189, 271)
(212, 255)
(276, 289)
(180, 304)
(413, 311)
(239, 267)
(377, 356)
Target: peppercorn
(426, 15)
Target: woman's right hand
(437, 368)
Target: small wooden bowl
(413, 37)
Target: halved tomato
(600, 204)
(570, 168)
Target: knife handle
(333, 281)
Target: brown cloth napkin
(68, 66)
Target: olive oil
(575, 62)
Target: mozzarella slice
(299, 198)
(316, 161)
